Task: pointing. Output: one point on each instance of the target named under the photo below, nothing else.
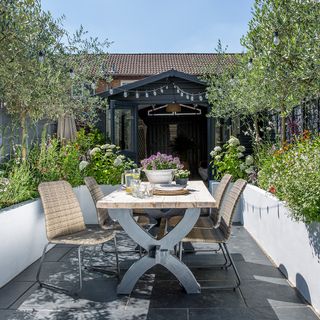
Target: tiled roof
(153, 63)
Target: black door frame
(116, 104)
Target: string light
(154, 92)
(276, 39)
(71, 72)
(41, 56)
(250, 65)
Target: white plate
(171, 187)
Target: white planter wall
(238, 214)
(22, 232)
(293, 246)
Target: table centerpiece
(160, 167)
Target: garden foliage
(292, 174)
(51, 161)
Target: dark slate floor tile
(295, 313)
(169, 294)
(252, 270)
(16, 315)
(11, 292)
(24, 296)
(167, 314)
(233, 314)
(48, 268)
(56, 253)
(262, 293)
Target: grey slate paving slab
(264, 293)
(261, 293)
(169, 294)
(167, 314)
(11, 292)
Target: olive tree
(44, 70)
(283, 52)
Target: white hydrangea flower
(94, 151)
(217, 158)
(233, 141)
(243, 167)
(212, 154)
(241, 149)
(105, 146)
(249, 170)
(249, 160)
(108, 153)
(83, 164)
(240, 155)
(217, 149)
(117, 161)
(112, 146)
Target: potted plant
(160, 167)
(182, 177)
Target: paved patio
(264, 294)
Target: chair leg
(227, 263)
(56, 288)
(233, 266)
(104, 268)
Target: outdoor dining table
(159, 251)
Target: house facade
(158, 102)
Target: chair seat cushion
(205, 236)
(88, 237)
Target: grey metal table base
(159, 251)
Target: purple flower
(160, 161)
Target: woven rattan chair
(221, 234)
(213, 219)
(65, 225)
(104, 220)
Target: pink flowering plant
(161, 161)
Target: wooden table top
(199, 197)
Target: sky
(158, 26)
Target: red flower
(272, 189)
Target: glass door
(124, 127)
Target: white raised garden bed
(293, 246)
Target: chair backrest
(62, 211)
(228, 207)
(221, 189)
(97, 194)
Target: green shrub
(18, 187)
(292, 174)
(230, 159)
(106, 164)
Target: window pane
(123, 128)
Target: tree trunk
(256, 129)
(283, 126)
(24, 134)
